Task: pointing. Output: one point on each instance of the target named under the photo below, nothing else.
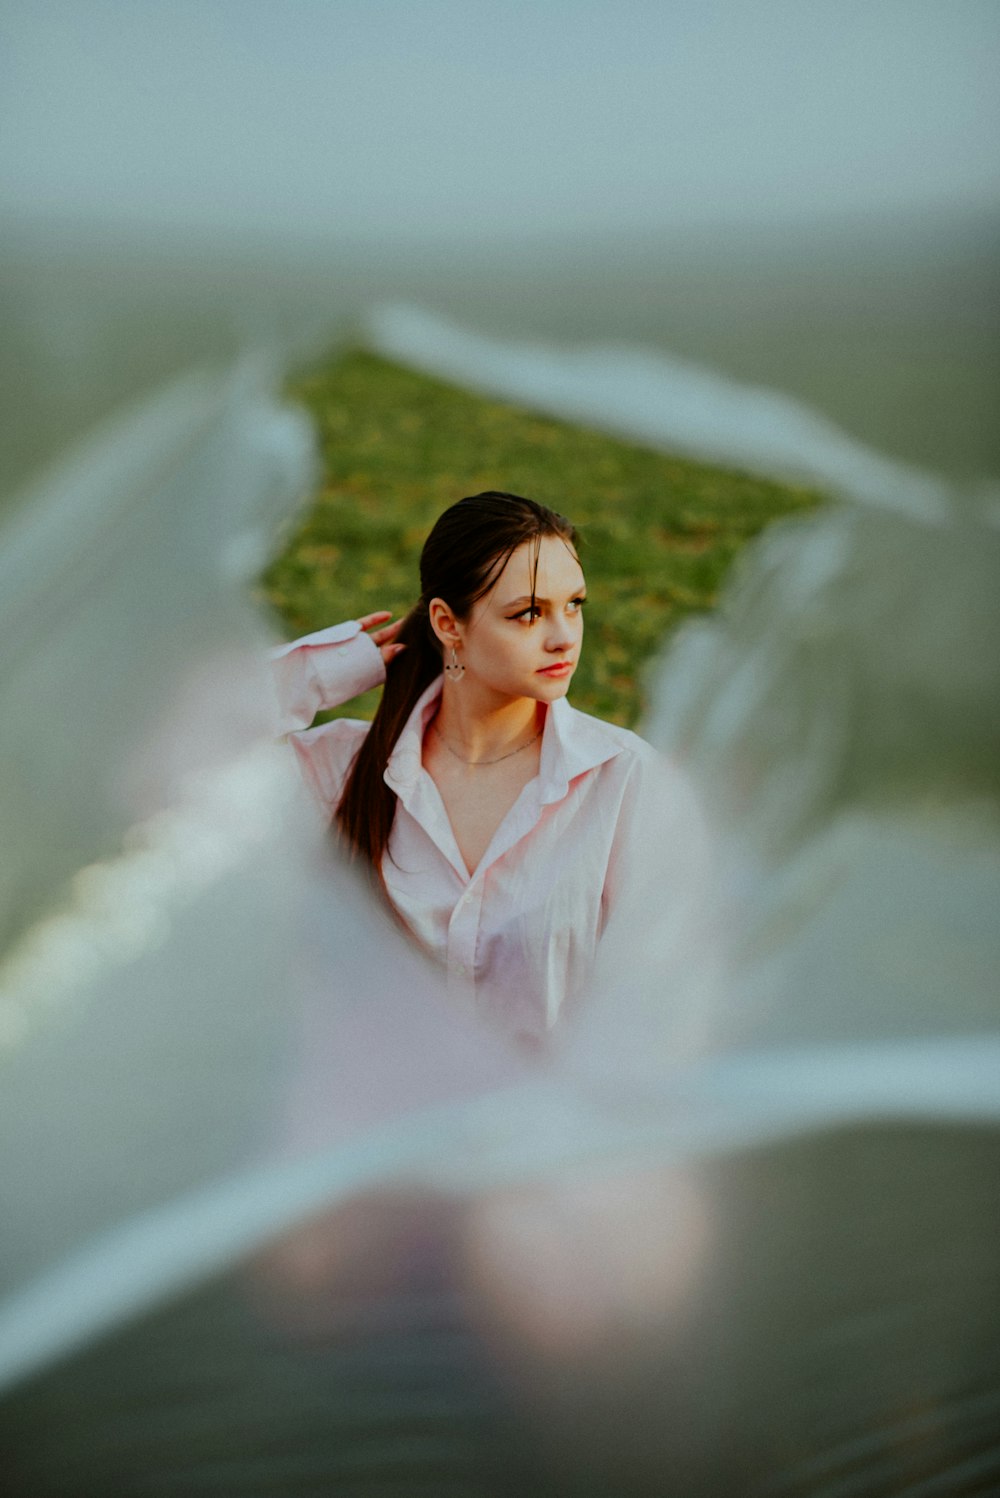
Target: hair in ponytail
(462, 558)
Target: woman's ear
(443, 622)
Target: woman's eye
(529, 615)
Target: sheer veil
(251, 1165)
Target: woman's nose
(560, 635)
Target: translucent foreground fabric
(275, 1219)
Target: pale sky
(422, 117)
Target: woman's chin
(549, 688)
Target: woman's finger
(369, 619)
(383, 636)
(389, 652)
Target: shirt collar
(572, 743)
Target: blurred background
(279, 282)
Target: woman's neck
(481, 725)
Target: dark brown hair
(462, 559)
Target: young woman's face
(520, 650)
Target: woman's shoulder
(647, 779)
(658, 801)
(603, 740)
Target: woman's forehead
(558, 569)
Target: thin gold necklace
(476, 763)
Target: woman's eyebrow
(526, 598)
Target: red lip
(562, 669)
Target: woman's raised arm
(330, 666)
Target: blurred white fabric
(777, 1123)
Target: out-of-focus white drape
(766, 1161)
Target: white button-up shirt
(518, 936)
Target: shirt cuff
(336, 634)
(324, 670)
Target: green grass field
(397, 448)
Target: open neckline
(454, 854)
(572, 743)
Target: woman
(499, 822)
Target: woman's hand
(383, 638)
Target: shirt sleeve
(323, 670)
(325, 755)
